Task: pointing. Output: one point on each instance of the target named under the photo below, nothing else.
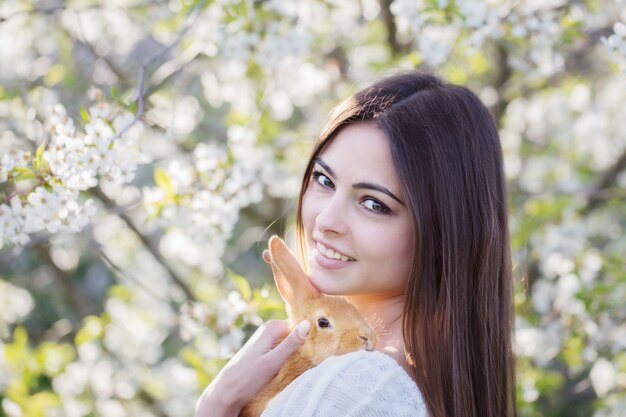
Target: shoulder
(357, 384)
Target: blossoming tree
(148, 149)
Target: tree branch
(147, 243)
(169, 76)
(392, 31)
(599, 194)
(53, 9)
(112, 66)
(502, 78)
(191, 18)
(597, 197)
(73, 295)
(117, 270)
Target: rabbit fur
(348, 330)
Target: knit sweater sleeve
(357, 384)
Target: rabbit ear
(292, 282)
(267, 257)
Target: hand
(252, 367)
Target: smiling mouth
(332, 254)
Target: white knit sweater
(357, 384)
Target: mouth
(331, 253)
(368, 343)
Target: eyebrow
(359, 185)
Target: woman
(406, 185)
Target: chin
(314, 276)
(323, 283)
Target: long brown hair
(458, 313)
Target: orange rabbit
(336, 325)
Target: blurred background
(148, 149)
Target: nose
(368, 338)
(331, 217)
(367, 343)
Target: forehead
(319, 312)
(335, 308)
(360, 152)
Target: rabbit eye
(323, 322)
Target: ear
(292, 282)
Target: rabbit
(336, 325)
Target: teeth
(329, 253)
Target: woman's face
(358, 228)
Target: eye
(323, 323)
(322, 179)
(376, 206)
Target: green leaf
(56, 73)
(39, 404)
(22, 173)
(192, 357)
(230, 157)
(93, 328)
(163, 181)
(572, 352)
(38, 162)
(238, 118)
(53, 357)
(120, 291)
(269, 309)
(242, 284)
(155, 387)
(20, 337)
(84, 114)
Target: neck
(385, 317)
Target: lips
(332, 253)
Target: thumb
(293, 341)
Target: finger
(267, 257)
(293, 341)
(269, 335)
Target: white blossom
(408, 14)
(17, 303)
(242, 72)
(616, 45)
(602, 377)
(70, 161)
(11, 408)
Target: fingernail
(303, 328)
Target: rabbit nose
(367, 342)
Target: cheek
(393, 254)
(391, 241)
(406, 245)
